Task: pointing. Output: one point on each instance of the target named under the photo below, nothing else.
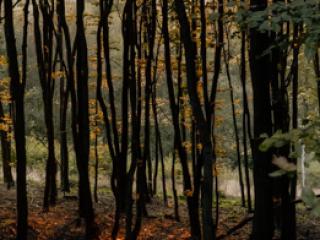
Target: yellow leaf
(188, 193)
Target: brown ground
(61, 222)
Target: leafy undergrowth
(61, 222)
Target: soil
(62, 223)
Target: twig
(242, 223)
(13, 6)
(299, 200)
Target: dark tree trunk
(64, 94)
(203, 123)
(260, 73)
(128, 32)
(44, 47)
(288, 191)
(192, 201)
(317, 73)
(149, 9)
(120, 150)
(245, 119)
(96, 154)
(158, 142)
(130, 82)
(17, 89)
(235, 126)
(293, 184)
(6, 151)
(64, 155)
(173, 184)
(82, 121)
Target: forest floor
(61, 222)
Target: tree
(44, 51)
(260, 74)
(203, 119)
(17, 88)
(64, 97)
(82, 124)
(6, 147)
(192, 200)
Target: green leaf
(278, 173)
(308, 196)
(316, 209)
(265, 145)
(264, 135)
(280, 143)
(283, 163)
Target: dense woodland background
(160, 119)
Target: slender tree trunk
(82, 120)
(293, 186)
(6, 151)
(44, 46)
(193, 207)
(288, 193)
(317, 73)
(173, 184)
(64, 94)
(245, 118)
(159, 147)
(96, 154)
(235, 126)
(17, 93)
(203, 123)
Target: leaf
(308, 196)
(316, 209)
(264, 135)
(283, 163)
(280, 143)
(278, 173)
(310, 156)
(188, 193)
(265, 145)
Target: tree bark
(6, 151)
(82, 121)
(44, 47)
(260, 73)
(17, 89)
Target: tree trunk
(17, 93)
(82, 120)
(64, 94)
(44, 47)
(245, 119)
(6, 152)
(260, 73)
(192, 202)
(235, 126)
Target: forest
(160, 119)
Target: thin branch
(241, 224)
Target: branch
(13, 6)
(299, 200)
(247, 219)
(242, 223)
